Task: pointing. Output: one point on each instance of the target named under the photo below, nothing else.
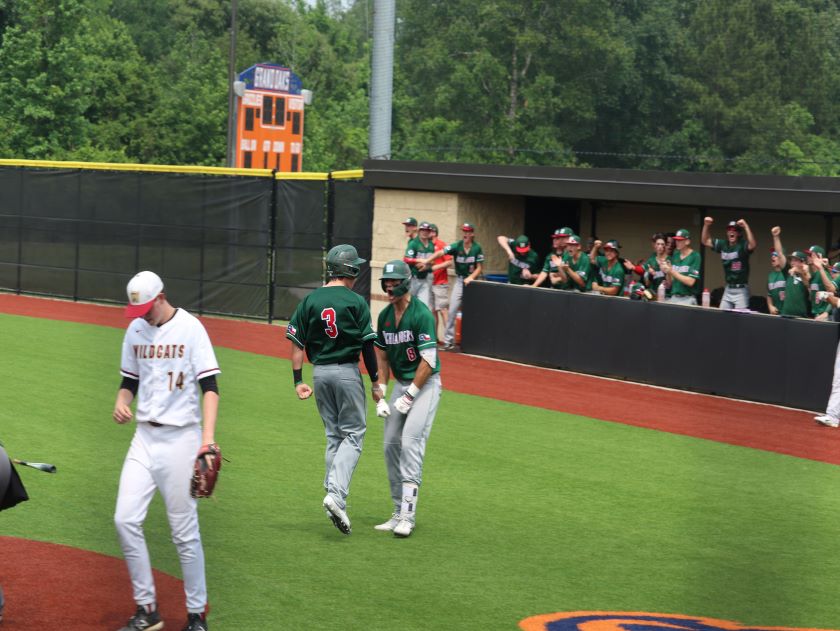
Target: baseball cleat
(196, 622)
(338, 517)
(389, 525)
(403, 528)
(143, 621)
(825, 419)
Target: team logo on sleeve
(424, 337)
(291, 330)
(635, 621)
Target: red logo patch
(635, 621)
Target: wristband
(297, 374)
(413, 390)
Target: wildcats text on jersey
(158, 351)
(400, 337)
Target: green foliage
(726, 85)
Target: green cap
(410, 221)
(573, 240)
(815, 249)
(681, 234)
(612, 245)
(467, 227)
(798, 254)
(522, 244)
(433, 227)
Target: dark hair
(657, 235)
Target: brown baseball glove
(206, 469)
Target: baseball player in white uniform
(166, 354)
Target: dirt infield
(51, 583)
(759, 426)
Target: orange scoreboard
(269, 119)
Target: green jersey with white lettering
(817, 284)
(530, 261)
(776, 288)
(657, 277)
(610, 275)
(403, 341)
(330, 324)
(583, 267)
(688, 266)
(796, 302)
(550, 268)
(736, 260)
(465, 261)
(416, 250)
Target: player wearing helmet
(406, 347)
(332, 326)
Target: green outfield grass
(523, 511)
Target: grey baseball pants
(406, 435)
(454, 306)
(340, 397)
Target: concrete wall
(491, 215)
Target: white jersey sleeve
(128, 363)
(203, 358)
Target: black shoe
(143, 621)
(196, 622)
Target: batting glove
(382, 409)
(404, 403)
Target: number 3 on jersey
(328, 316)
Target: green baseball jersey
(656, 278)
(688, 266)
(736, 260)
(583, 267)
(776, 288)
(403, 341)
(330, 324)
(610, 275)
(817, 284)
(797, 301)
(465, 261)
(416, 250)
(530, 261)
(550, 268)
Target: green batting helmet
(343, 260)
(396, 270)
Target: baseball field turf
(523, 511)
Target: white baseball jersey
(168, 360)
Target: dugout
(532, 325)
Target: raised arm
(706, 232)
(776, 231)
(751, 243)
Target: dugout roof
(719, 190)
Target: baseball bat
(41, 466)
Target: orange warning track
(728, 421)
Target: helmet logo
(389, 268)
(134, 297)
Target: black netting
(83, 233)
